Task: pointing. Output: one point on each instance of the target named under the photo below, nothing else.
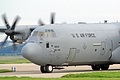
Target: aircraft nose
(32, 52)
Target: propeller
(52, 19)
(10, 31)
(40, 22)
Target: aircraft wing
(2, 29)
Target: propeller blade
(52, 18)
(5, 21)
(15, 22)
(5, 40)
(40, 22)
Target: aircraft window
(52, 30)
(49, 30)
(41, 34)
(50, 33)
(102, 48)
(46, 30)
(47, 45)
(35, 33)
(95, 49)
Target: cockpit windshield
(48, 33)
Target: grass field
(13, 60)
(95, 75)
(4, 71)
(83, 76)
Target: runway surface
(32, 70)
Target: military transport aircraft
(55, 45)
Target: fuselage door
(71, 55)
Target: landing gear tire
(46, 69)
(49, 69)
(105, 67)
(42, 68)
(95, 67)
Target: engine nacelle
(24, 34)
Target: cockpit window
(40, 34)
(35, 33)
(52, 30)
(50, 33)
(44, 34)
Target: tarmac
(32, 70)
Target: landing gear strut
(46, 69)
(102, 67)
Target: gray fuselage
(74, 44)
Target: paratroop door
(72, 53)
